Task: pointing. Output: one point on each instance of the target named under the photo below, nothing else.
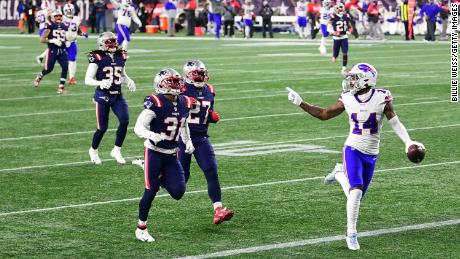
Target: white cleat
(143, 235)
(330, 178)
(344, 72)
(117, 155)
(138, 162)
(94, 155)
(322, 50)
(352, 241)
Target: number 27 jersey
(366, 119)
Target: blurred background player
(324, 15)
(161, 124)
(248, 8)
(216, 9)
(73, 30)
(55, 36)
(202, 113)
(106, 72)
(340, 26)
(266, 12)
(366, 107)
(126, 13)
(42, 18)
(301, 11)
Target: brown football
(416, 154)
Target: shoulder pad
(152, 101)
(386, 94)
(48, 25)
(211, 89)
(189, 101)
(95, 56)
(123, 54)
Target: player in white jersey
(324, 14)
(73, 23)
(42, 18)
(126, 13)
(366, 107)
(248, 9)
(301, 10)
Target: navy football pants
(105, 102)
(206, 159)
(160, 170)
(59, 55)
(341, 44)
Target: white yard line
(205, 190)
(371, 233)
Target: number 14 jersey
(366, 119)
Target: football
(416, 154)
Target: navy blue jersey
(340, 23)
(109, 67)
(57, 31)
(199, 115)
(169, 118)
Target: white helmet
(108, 42)
(45, 4)
(339, 8)
(168, 81)
(54, 13)
(361, 76)
(326, 3)
(126, 2)
(69, 10)
(195, 73)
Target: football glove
(294, 97)
(189, 148)
(67, 44)
(105, 84)
(410, 143)
(139, 24)
(155, 137)
(85, 34)
(131, 85)
(56, 42)
(215, 116)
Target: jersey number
(59, 35)
(194, 118)
(341, 26)
(113, 74)
(370, 123)
(172, 131)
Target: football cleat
(330, 178)
(37, 80)
(72, 81)
(94, 155)
(344, 71)
(221, 215)
(138, 162)
(352, 241)
(143, 235)
(39, 60)
(61, 89)
(333, 59)
(322, 50)
(117, 155)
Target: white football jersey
(42, 18)
(366, 119)
(247, 9)
(324, 14)
(73, 24)
(125, 14)
(302, 9)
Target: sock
(353, 202)
(345, 60)
(342, 179)
(217, 205)
(117, 148)
(72, 68)
(247, 31)
(124, 45)
(142, 224)
(62, 81)
(43, 54)
(323, 43)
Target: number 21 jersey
(366, 119)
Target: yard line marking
(370, 233)
(206, 190)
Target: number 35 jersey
(198, 121)
(109, 67)
(169, 118)
(366, 119)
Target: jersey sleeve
(152, 102)
(94, 57)
(386, 95)
(212, 89)
(48, 26)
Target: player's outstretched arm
(143, 124)
(321, 113)
(398, 127)
(135, 18)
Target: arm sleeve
(185, 132)
(91, 75)
(142, 127)
(134, 16)
(399, 129)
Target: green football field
(272, 158)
